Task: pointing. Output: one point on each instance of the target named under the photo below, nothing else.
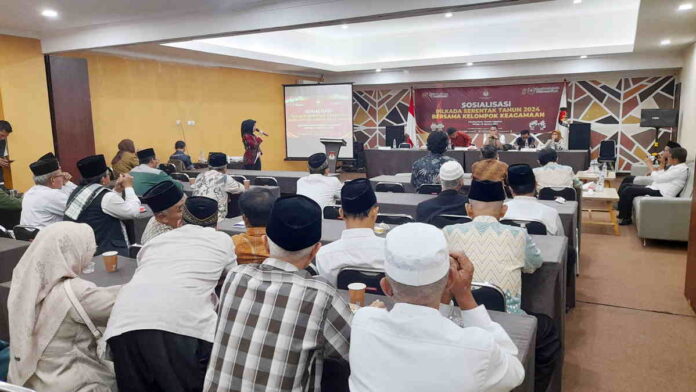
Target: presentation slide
(317, 111)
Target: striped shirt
(276, 326)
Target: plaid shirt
(249, 246)
(276, 326)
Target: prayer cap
(416, 254)
(48, 155)
(92, 166)
(450, 171)
(521, 177)
(316, 160)
(486, 191)
(201, 211)
(162, 196)
(146, 153)
(217, 159)
(46, 164)
(357, 196)
(294, 223)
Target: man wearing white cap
(450, 200)
(414, 347)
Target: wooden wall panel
(690, 279)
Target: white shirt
(670, 182)
(42, 205)
(553, 175)
(359, 248)
(173, 288)
(415, 348)
(529, 208)
(113, 204)
(320, 188)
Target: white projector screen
(318, 111)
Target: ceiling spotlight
(665, 42)
(378, 70)
(577, 1)
(49, 13)
(469, 64)
(344, 26)
(449, 15)
(685, 6)
(583, 56)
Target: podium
(333, 146)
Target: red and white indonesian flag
(411, 123)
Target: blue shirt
(180, 155)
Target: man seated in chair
(524, 206)
(45, 202)
(146, 175)
(216, 183)
(458, 138)
(525, 140)
(358, 246)
(426, 169)
(489, 168)
(414, 346)
(181, 155)
(553, 175)
(667, 183)
(318, 185)
(255, 205)
(450, 200)
(662, 165)
(166, 201)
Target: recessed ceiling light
(378, 70)
(583, 56)
(577, 1)
(49, 13)
(344, 26)
(665, 42)
(469, 64)
(448, 15)
(685, 6)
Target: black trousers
(159, 361)
(547, 351)
(629, 191)
(255, 166)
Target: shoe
(625, 222)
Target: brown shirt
(127, 162)
(489, 170)
(249, 246)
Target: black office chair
(25, 233)
(489, 295)
(183, 177)
(394, 187)
(133, 250)
(394, 219)
(168, 168)
(331, 212)
(312, 269)
(10, 218)
(429, 189)
(552, 193)
(532, 227)
(404, 145)
(178, 165)
(239, 179)
(4, 233)
(443, 220)
(607, 153)
(370, 277)
(266, 181)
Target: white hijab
(37, 303)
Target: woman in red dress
(252, 145)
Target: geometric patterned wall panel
(373, 110)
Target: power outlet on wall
(178, 122)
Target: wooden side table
(608, 196)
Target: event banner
(475, 109)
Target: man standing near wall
(5, 131)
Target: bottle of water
(593, 166)
(604, 169)
(393, 143)
(600, 183)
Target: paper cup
(110, 261)
(356, 293)
(247, 184)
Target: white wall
(687, 111)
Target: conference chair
(607, 153)
(394, 219)
(394, 187)
(488, 295)
(178, 165)
(552, 193)
(133, 250)
(331, 212)
(4, 233)
(532, 227)
(369, 276)
(10, 218)
(443, 220)
(25, 233)
(404, 145)
(239, 179)
(312, 269)
(5, 387)
(168, 168)
(183, 177)
(266, 181)
(429, 189)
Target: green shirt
(9, 203)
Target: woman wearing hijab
(252, 145)
(125, 158)
(52, 347)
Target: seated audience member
(125, 159)
(180, 154)
(494, 139)
(553, 175)
(358, 246)
(489, 168)
(167, 204)
(255, 205)
(450, 200)
(146, 175)
(458, 138)
(278, 323)
(426, 169)
(53, 348)
(525, 140)
(216, 184)
(500, 254)
(8, 202)
(103, 209)
(662, 164)
(524, 206)
(414, 347)
(45, 202)
(162, 326)
(318, 185)
(667, 183)
(554, 142)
